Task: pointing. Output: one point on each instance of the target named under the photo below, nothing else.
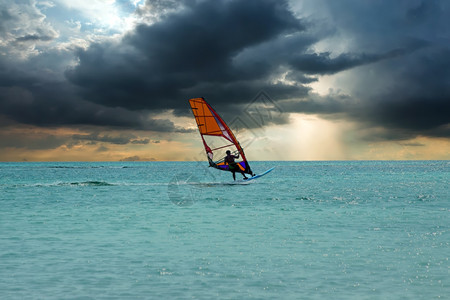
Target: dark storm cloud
(396, 54)
(405, 92)
(412, 99)
(40, 98)
(53, 104)
(322, 64)
(41, 141)
(159, 66)
(225, 51)
(32, 88)
(406, 98)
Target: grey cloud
(322, 64)
(413, 144)
(138, 158)
(131, 158)
(154, 10)
(34, 37)
(121, 139)
(401, 92)
(414, 98)
(102, 149)
(300, 77)
(407, 97)
(395, 54)
(31, 142)
(186, 53)
(225, 51)
(140, 141)
(22, 27)
(28, 99)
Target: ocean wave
(92, 183)
(89, 183)
(59, 184)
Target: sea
(180, 230)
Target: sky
(109, 80)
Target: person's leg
(234, 174)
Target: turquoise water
(308, 230)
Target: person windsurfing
(229, 160)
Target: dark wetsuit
(229, 159)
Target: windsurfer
(229, 159)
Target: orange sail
(210, 124)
